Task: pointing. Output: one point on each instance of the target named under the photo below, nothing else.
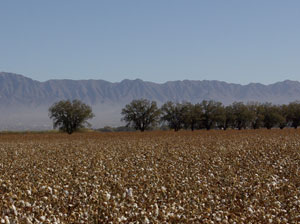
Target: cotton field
(154, 177)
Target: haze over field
(25, 102)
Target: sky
(159, 40)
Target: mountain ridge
(3, 73)
(25, 101)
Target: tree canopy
(210, 114)
(213, 114)
(173, 114)
(69, 116)
(141, 114)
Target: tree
(173, 114)
(272, 116)
(192, 114)
(69, 116)
(243, 115)
(257, 113)
(293, 114)
(229, 118)
(141, 114)
(283, 111)
(213, 114)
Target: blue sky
(158, 40)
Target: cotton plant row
(156, 177)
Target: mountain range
(24, 102)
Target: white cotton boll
(121, 219)
(107, 196)
(14, 210)
(146, 220)
(50, 190)
(156, 212)
(250, 210)
(278, 204)
(28, 221)
(6, 220)
(129, 192)
(22, 203)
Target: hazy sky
(159, 40)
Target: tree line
(142, 114)
(208, 114)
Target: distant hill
(24, 102)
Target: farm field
(250, 176)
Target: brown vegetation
(153, 177)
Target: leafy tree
(141, 114)
(69, 116)
(229, 118)
(213, 114)
(272, 116)
(257, 114)
(243, 116)
(293, 114)
(192, 114)
(283, 111)
(173, 114)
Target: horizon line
(139, 79)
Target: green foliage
(257, 114)
(213, 114)
(293, 114)
(229, 118)
(173, 114)
(242, 114)
(192, 114)
(283, 111)
(272, 116)
(70, 116)
(141, 114)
